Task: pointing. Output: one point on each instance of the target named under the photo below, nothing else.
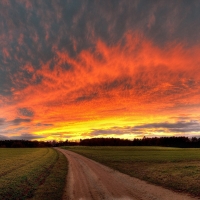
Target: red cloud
(133, 77)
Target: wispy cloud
(18, 121)
(2, 121)
(71, 62)
(2, 137)
(154, 129)
(26, 112)
(180, 126)
(25, 136)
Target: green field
(173, 168)
(37, 173)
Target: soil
(88, 180)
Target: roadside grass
(23, 171)
(174, 168)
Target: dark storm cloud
(26, 112)
(32, 31)
(18, 121)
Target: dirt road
(88, 179)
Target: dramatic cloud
(180, 126)
(2, 121)
(26, 112)
(18, 121)
(2, 137)
(25, 136)
(40, 124)
(152, 129)
(71, 69)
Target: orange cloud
(125, 84)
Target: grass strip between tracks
(55, 183)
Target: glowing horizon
(81, 69)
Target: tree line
(24, 144)
(183, 142)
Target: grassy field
(173, 168)
(37, 173)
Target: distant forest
(183, 142)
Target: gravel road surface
(88, 180)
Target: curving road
(88, 180)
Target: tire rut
(88, 180)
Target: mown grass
(173, 168)
(23, 172)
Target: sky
(75, 69)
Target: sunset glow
(81, 69)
